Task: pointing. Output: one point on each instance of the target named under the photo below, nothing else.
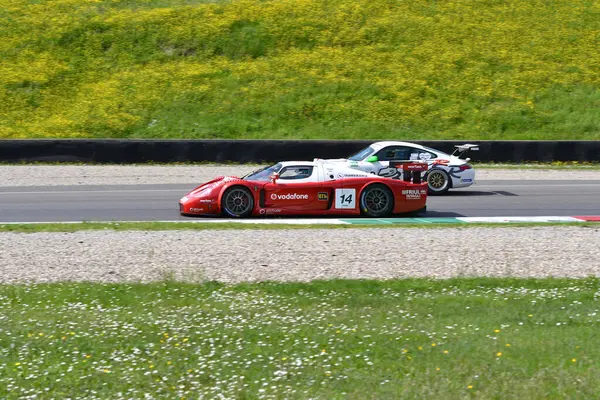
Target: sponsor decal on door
(289, 196)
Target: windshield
(262, 174)
(361, 155)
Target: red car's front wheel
(237, 202)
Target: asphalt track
(160, 202)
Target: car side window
(393, 153)
(418, 154)
(296, 172)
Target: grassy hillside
(340, 69)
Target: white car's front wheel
(438, 181)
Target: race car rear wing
(462, 149)
(412, 170)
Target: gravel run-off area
(284, 255)
(299, 255)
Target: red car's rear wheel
(377, 201)
(237, 202)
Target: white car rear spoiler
(462, 149)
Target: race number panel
(345, 198)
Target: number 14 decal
(345, 198)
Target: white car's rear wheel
(438, 181)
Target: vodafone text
(289, 196)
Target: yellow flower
(530, 315)
(151, 366)
(283, 358)
(433, 345)
(420, 348)
(437, 368)
(17, 364)
(106, 371)
(496, 330)
(470, 387)
(573, 360)
(498, 354)
(445, 351)
(169, 362)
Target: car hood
(212, 184)
(332, 160)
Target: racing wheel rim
(437, 180)
(238, 202)
(377, 200)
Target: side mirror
(373, 159)
(274, 177)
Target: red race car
(309, 188)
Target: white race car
(445, 171)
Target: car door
(298, 188)
(381, 164)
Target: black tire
(376, 201)
(237, 202)
(438, 181)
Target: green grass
(454, 339)
(168, 226)
(300, 69)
